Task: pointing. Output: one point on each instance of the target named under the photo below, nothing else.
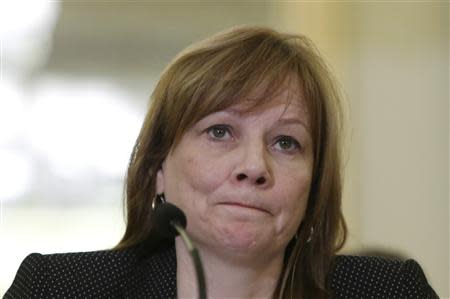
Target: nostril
(241, 177)
(261, 180)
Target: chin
(243, 239)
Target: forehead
(289, 95)
(288, 91)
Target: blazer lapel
(153, 277)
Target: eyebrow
(288, 121)
(281, 120)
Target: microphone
(170, 221)
(165, 218)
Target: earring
(157, 200)
(311, 233)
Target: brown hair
(215, 74)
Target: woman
(242, 135)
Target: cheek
(292, 213)
(197, 174)
(294, 194)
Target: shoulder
(58, 275)
(377, 277)
(88, 263)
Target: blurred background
(75, 81)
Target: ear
(160, 180)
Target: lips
(245, 206)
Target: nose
(254, 166)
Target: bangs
(248, 66)
(250, 71)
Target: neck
(226, 278)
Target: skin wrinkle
(200, 174)
(245, 66)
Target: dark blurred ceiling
(104, 37)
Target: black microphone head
(164, 215)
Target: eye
(287, 143)
(219, 132)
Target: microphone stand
(195, 257)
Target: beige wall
(393, 62)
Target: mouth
(245, 206)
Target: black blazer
(121, 274)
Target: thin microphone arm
(170, 221)
(195, 257)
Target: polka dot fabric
(154, 277)
(101, 274)
(121, 274)
(71, 275)
(375, 277)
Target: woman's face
(243, 178)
